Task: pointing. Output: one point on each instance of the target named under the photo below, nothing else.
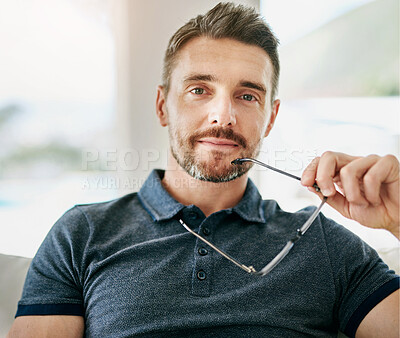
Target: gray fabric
(134, 269)
(12, 275)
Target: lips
(218, 137)
(218, 141)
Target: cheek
(255, 128)
(189, 116)
(263, 124)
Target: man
(128, 267)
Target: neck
(208, 196)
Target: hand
(368, 187)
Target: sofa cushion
(13, 271)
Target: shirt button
(203, 251)
(201, 275)
(206, 231)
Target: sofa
(13, 271)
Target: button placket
(202, 269)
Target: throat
(209, 197)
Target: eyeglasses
(289, 245)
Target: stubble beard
(211, 166)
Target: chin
(216, 173)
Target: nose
(221, 112)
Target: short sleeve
(361, 278)
(53, 284)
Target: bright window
(339, 91)
(56, 100)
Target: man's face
(218, 107)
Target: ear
(161, 110)
(274, 113)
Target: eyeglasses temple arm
(242, 160)
(314, 215)
(248, 269)
(289, 244)
(277, 259)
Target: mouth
(220, 143)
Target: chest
(177, 282)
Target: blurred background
(77, 95)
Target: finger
(385, 170)
(351, 177)
(309, 174)
(329, 164)
(339, 188)
(337, 201)
(338, 184)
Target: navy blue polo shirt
(130, 268)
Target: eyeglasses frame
(289, 245)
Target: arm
(367, 192)
(51, 304)
(47, 326)
(382, 320)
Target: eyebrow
(212, 78)
(253, 85)
(200, 77)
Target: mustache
(219, 132)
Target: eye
(197, 91)
(248, 97)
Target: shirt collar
(162, 206)
(156, 200)
(250, 206)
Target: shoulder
(87, 218)
(86, 226)
(273, 213)
(273, 209)
(125, 205)
(322, 229)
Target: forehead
(226, 59)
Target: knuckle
(314, 163)
(328, 154)
(316, 160)
(391, 158)
(374, 157)
(346, 171)
(370, 179)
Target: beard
(211, 166)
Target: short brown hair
(225, 20)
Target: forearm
(47, 326)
